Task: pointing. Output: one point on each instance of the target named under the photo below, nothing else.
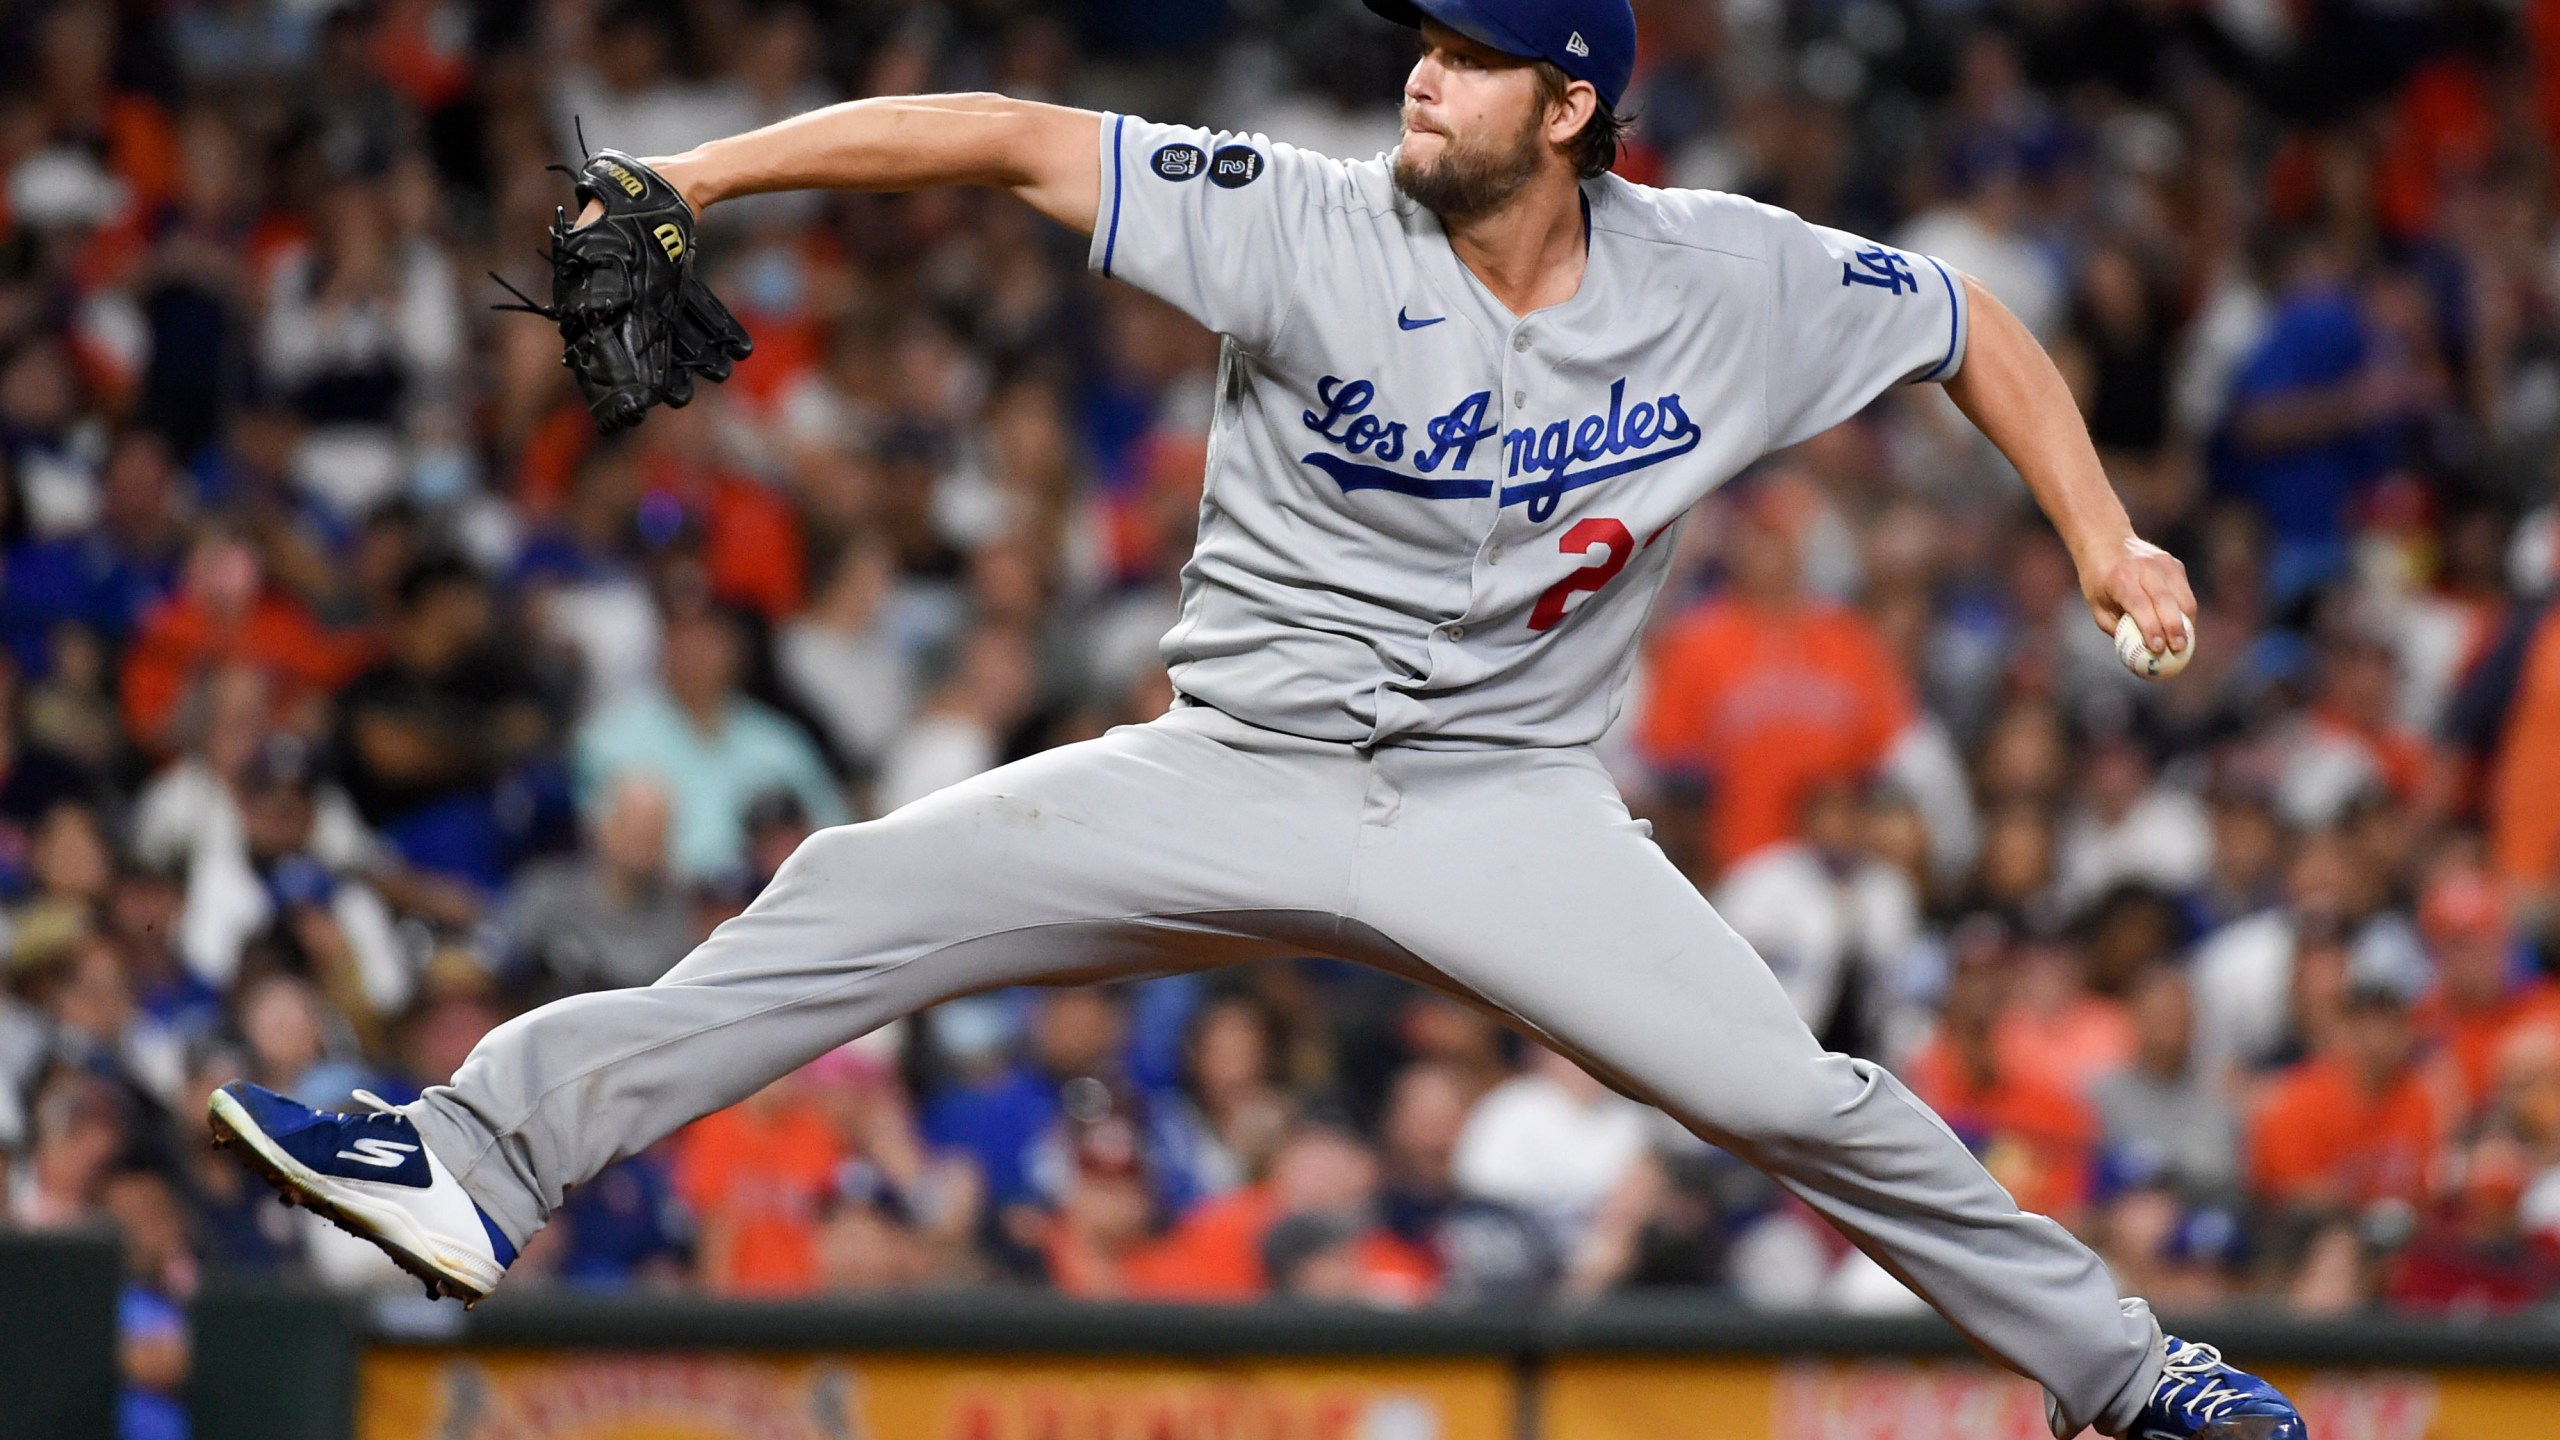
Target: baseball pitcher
(1468, 391)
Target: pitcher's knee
(899, 871)
(840, 854)
(1797, 1103)
(834, 844)
(920, 843)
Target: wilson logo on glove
(636, 322)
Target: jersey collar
(1458, 287)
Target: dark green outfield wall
(58, 1336)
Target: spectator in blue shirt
(2314, 413)
(103, 577)
(715, 750)
(1011, 1125)
(624, 1228)
(153, 1341)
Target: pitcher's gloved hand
(636, 322)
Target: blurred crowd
(354, 696)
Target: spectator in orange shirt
(1339, 1258)
(2351, 740)
(2491, 1243)
(225, 613)
(1765, 692)
(2479, 1000)
(82, 109)
(2472, 1252)
(757, 1176)
(1103, 1217)
(751, 542)
(2055, 1027)
(1220, 1250)
(2357, 1122)
(2510, 710)
(2035, 1137)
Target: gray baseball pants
(1514, 878)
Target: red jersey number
(1582, 539)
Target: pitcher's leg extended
(1188, 842)
(1522, 879)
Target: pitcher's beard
(1471, 178)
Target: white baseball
(2137, 656)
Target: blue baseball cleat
(2201, 1398)
(371, 1176)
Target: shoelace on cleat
(2190, 1382)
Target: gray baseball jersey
(1429, 521)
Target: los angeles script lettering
(1647, 432)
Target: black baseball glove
(636, 322)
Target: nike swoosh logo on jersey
(1409, 323)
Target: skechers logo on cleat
(373, 1150)
(670, 239)
(629, 182)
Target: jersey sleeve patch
(1213, 222)
(1235, 166)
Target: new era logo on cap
(1589, 40)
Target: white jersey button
(1519, 397)
(1519, 342)
(1457, 632)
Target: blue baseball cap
(1590, 40)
